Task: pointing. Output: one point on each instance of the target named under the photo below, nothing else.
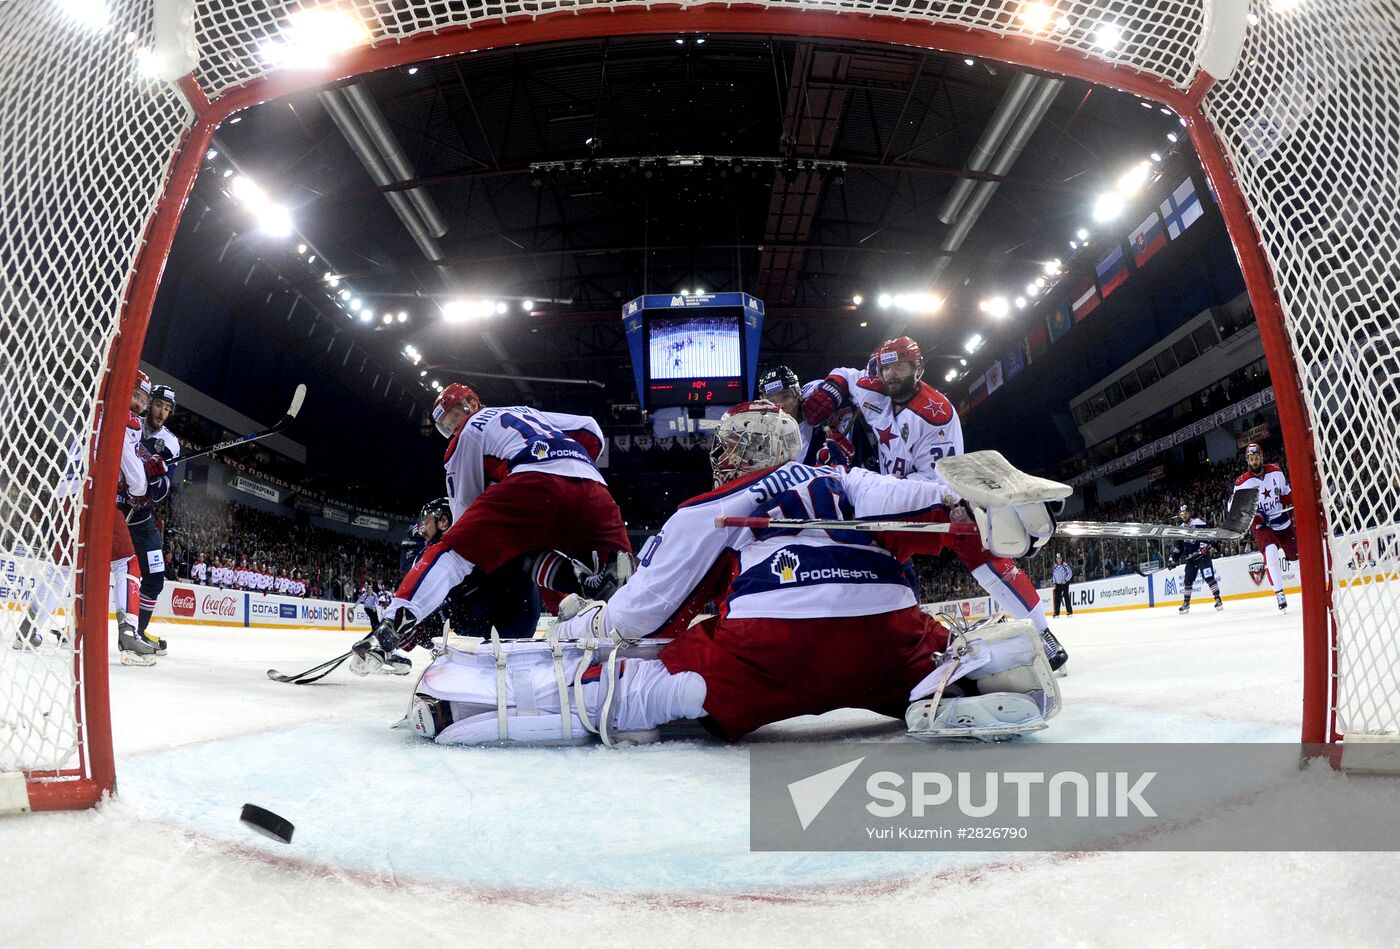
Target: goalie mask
(454, 397)
(753, 436)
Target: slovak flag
(1084, 299)
(1112, 271)
(1182, 209)
(1147, 238)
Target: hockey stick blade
(293, 410)
(310, 675)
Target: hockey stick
(1235, 523)
(297, 398)
(307, 677)
(1149, 568)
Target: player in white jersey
(810, 621)
(520, 482)
(1273, 517)
(916, 426)
(141, 481)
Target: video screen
(695, 346)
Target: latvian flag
(1112, 271)
(1147, 238)
(1084, 298)
(1182, 209)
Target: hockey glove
(819, 405)
(394, 631)
(586, 622)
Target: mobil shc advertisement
(1240, 577)
(192, 603)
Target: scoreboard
(693, 349)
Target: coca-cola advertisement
(216, 605)
(182, 601)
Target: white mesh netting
(1309, 120)
(84, 146)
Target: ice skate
(134, 649)
(1219, 604)
(1282, 603)
(368, 661)
(27, 633)
(1185, 606)
(1054, 652)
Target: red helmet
(143, 382)
(453, 397)
(890, 351)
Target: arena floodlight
(312, 36)
(1036, 15)
(1108, 206)
(1108, 36)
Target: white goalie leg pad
(529, 693)
(1009, 506)
(1018, 691)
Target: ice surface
(401, 842)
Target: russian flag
(1147, 238)
(1084, 299)
(1182, 209)
(978, 392)
(1111, 271)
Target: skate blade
(133, 659)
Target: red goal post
(1292, 122)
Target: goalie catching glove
(1015, 512)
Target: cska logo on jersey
(785, 566)
(886, 435)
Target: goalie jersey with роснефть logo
(779, 573)
(498, 442)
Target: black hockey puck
(267, 823)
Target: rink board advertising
(1029, 796)
(693, 349)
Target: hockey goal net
(1291, 104)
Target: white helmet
(753, 436)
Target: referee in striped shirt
(1061, 577)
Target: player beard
(901, 391)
